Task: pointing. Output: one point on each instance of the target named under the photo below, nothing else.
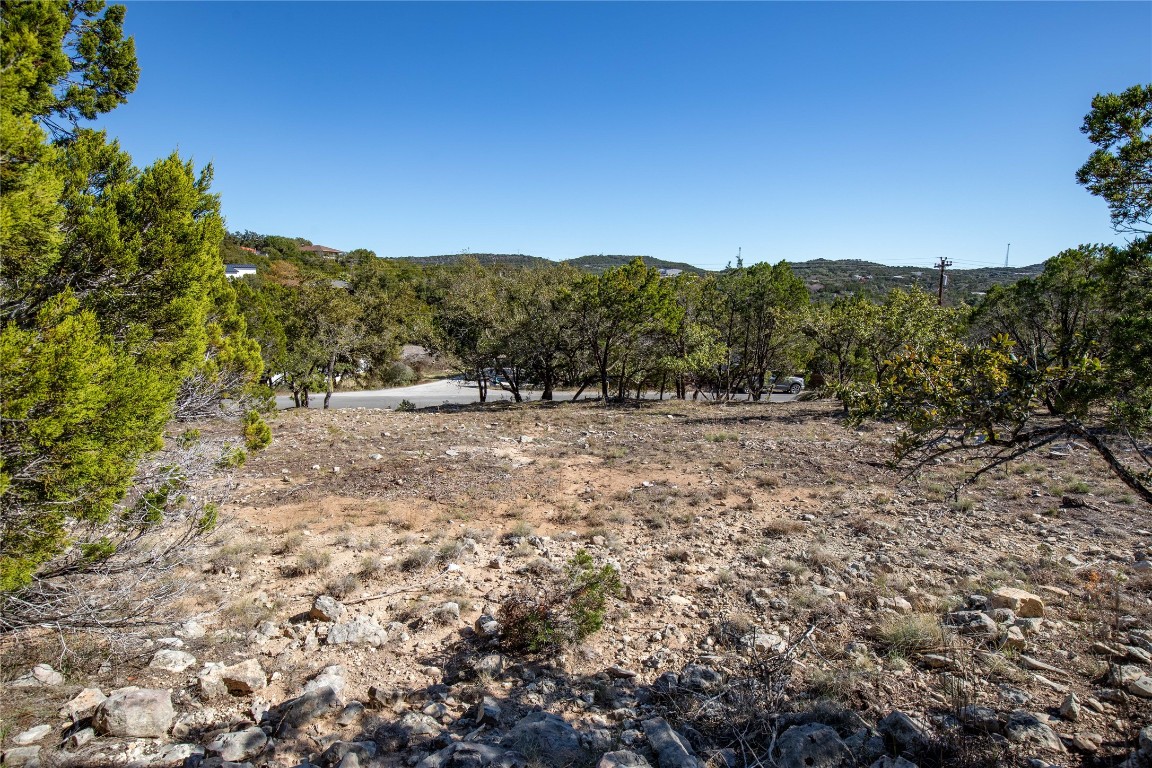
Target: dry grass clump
(289, 544)
(418, 559)
(906, 635)
(370, 567)
(231, 557)
(776, 529)
(308, 563)
(343, 586)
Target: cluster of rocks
(458, 726)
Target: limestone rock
(697, 677)
(1025, 604)
(135, 712)
(672, 749)
(812, 746)
(41, 675)
(172, 661)
(298, 712)
(239, 745)
(82, 704)
(22, 757)
(331, 676)
(244, 678)
(1070, 708)
(1141, 687)
(464, 754)
(362, 630)
(905, 731)
(622, 759)
(325, 608)
(338, 753)
(487, 712)
(419, 724)
(549, 734)
(893, 762)
(32, 735)
(1026, 728)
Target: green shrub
(406, 405)
(257, 434)
(232, 457)
(566, 612)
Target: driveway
(443, 392)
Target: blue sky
(893, 132)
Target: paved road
(446, 391)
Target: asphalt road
(444, 392)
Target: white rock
(32, 735)
(172, 661)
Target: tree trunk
(547, 393)
(580, 390)
(330, 381)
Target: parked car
(789, 384)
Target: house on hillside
(322, 250)
(252, 251)
(669, 272)
(236, 271)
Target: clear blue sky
(894, 132)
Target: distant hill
(827, 278)
(595, 264)
(603, 263)
(506, 259)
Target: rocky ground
(787, 600)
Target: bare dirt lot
(763, 529)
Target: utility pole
(942, 265)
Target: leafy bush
(232, 457)
(257, 433)
(398, 375)
(567, 612)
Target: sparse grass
(678, 554)
(910, 634)
(418, 559)
(1078, 486)
(289, 544)
(819, 557)
(343, 586)
(721, 437)
(308, 563)
(522, 529)
(777, 529)
(233, 557)
(964, 505)
(765, 480)
(246, 613)
(370, 567)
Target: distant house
(669, 272)
(235, 271)
(253, 251)
(322, 250)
